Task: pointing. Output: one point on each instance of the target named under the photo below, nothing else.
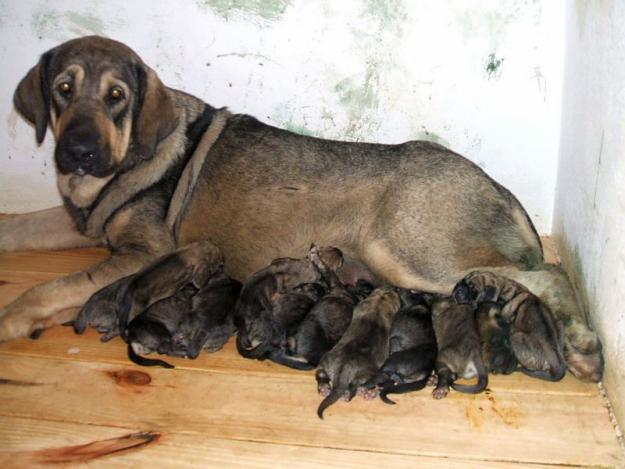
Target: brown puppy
(534, 334)
(147, 169)
(458, 348)
(494, 333)
(412, 348)
(359, 354)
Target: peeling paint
(300, 129)
(270, 10)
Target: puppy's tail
(391, 388)
(139, 360)
(482, 380)
(334, 396)
(292, 362)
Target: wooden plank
(62, 262)
(62, 343)
(26, 442)
(528, 428)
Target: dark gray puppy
(535, 337)
(102, 310)
(362, 350)
(412, 348)
(153, 330)
(210, 323)
(261, 291)
(459, 352)
(495, 343)
(328, 319)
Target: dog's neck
(93, 201)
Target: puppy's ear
(31, 98)
(155, 114)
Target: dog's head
(104, 105)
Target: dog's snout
(84, 153)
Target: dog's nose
(83, 153)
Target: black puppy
(412, 348)
(153, 330)
(210, 323)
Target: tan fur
(81, 190)
(191, 171)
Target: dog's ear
(31, 97)
(155, 114)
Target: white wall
(589, 219)
(375, 70)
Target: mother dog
(147, 170)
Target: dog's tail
(139, 360)
(391, 388)
(334, 396)
(482, 380)
(282, 358)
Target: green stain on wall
(300, 129)
(57, 25)
(432, 137)
(266, 9)
(389, 14)
(493, 66)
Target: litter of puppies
(364, 339)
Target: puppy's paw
(582, 352)
(439, 393)
(101, 310)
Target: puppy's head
(105, 107)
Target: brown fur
(415, 214)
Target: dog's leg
(52, 228)
(21, 317)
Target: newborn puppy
(101, 310)
(412, 348)
(535, 337)
(262, 289)
(494, 334)
(328, 319)
(276, 324)
(361, 351)
(459, 352)
(152, 331)
(210, 323)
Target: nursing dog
(146, 169)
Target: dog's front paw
(582, 352)
(15, 325)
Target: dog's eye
(65, 89)
(116, 93)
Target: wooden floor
(68, 398)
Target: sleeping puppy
(328, 319)
(412, 348)
(495, 344)
(362, 350)
(153, 330)
(102, 310)
(535, 337)
(210, 323)
(276, 324)
(264, 287)
(459, 352)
